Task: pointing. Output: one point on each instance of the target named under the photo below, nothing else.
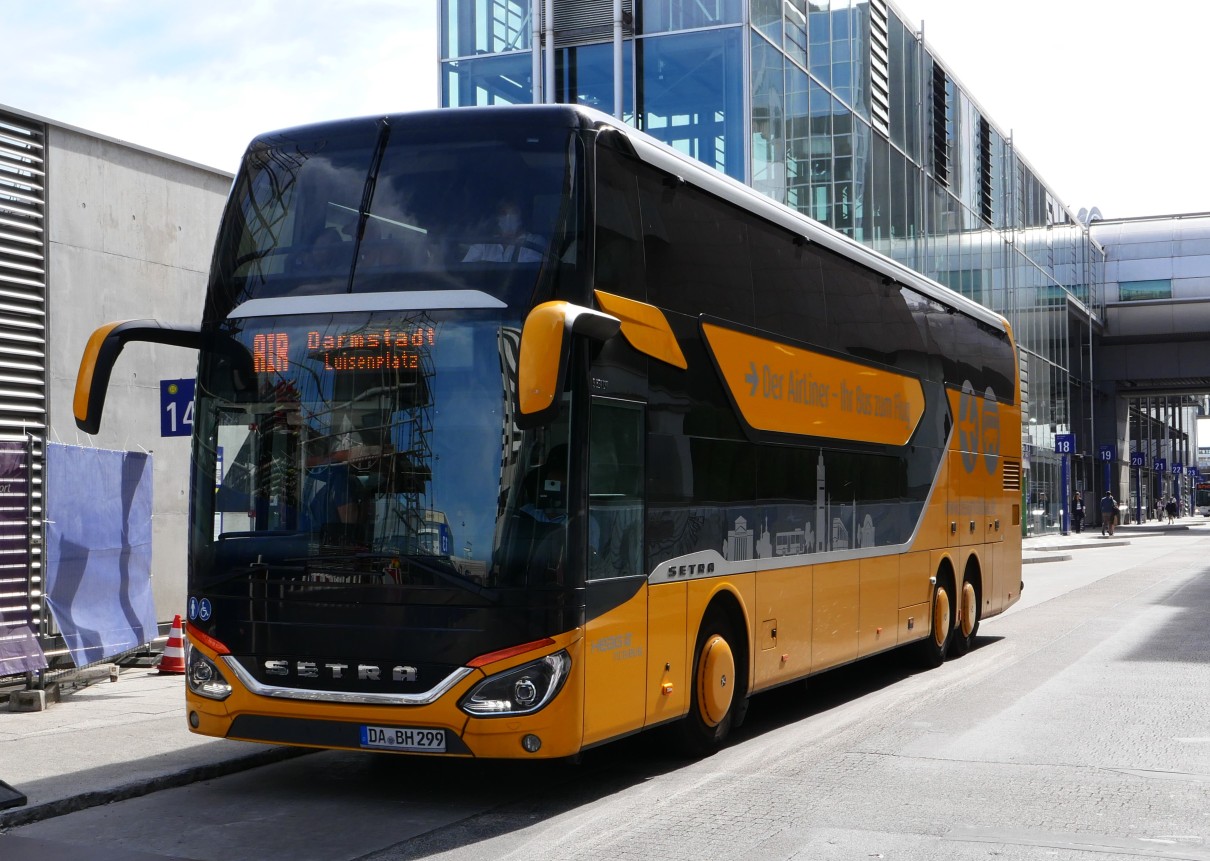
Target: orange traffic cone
(173, 658)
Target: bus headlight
(520, 691)
(204, 677)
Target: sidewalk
(106, 741)
(1054, 547)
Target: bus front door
(616, 626)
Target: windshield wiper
(367, 194)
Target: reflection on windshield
(380, 449)
(353, 209)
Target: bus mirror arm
(594, 324)
(101, 353)
(545, 350)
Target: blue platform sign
(1178, 469)
(176, 407)
(1137, 458)
(1159, 464)
(1065, 443)
(1106, 453)
(1192, 472)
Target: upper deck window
(367, 206)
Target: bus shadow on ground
(797, 701)
(515, 795)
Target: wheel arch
(730, 606)
(972, 573)
(946, 576)
(944, 572)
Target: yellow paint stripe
(644, 327)
(788, 389)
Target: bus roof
(660, 155)
(669, 160)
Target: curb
(1091, 545)
(61, 807)
(1053, 557)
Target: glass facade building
(840, 110)
(1157, 313)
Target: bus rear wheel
(965, 631)
(935, 647)
(715, 697)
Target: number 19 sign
(176, 407)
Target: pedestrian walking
(1109, 513)
(1077, 512)
(1170, 510)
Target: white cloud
(200, 81)
(1101, 96)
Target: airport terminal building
(841, 110)
(836, 108)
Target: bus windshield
(364, 207)
(1202, 500)
(377, 450)
(375, 274)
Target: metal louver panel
(22, 368)
(940, 125)
(986, 192)
(579, 21)
(1012, 475)
(880, 75)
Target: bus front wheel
(715, 698)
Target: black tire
(935, 647)
(963, 638)
(715, 696)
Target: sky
(1103, 98)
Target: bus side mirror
(102, 352)
(545, 350)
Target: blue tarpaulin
(98, 553)
(19, 648)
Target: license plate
(403, 738)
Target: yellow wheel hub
(970, 609)
(715, 680)
(941, 617)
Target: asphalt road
(1079, 728)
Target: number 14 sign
(176, 407)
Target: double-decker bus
(1201, 499)
(517, 432)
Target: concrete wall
(130, 234)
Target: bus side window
(790, 301)
(619, 241)
(697, 252)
